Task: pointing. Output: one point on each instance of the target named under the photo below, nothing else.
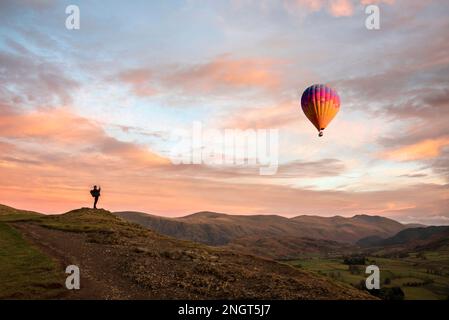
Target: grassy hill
(122, 260)
(25, 272)
(12, 214)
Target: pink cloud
(336, 8)
(367, 2)
(270, 116)
(422, 150)
(221, 74)
(313, 5)
(341, 8)
(140, 80)
(63, 129)
(227, 72)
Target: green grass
(8, 214)
(25, 272)
(87, 220)
(420, 293)
(100, 225)
(401, 272)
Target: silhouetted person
(95, 194)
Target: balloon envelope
(320, 104)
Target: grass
(8, 214)
(100, 225)
(420, 293)
(25, 272)
(88, 220)
(404, 273)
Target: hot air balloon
(320, 104)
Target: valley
(413, 257)
(420, 275)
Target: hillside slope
(287, 247)
(220, 229)
(8, 213)
(120, 260)
(411, 238)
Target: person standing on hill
(95, 194)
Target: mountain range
(220, 229)
(270, 236)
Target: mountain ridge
(411, 237)
(220, 229)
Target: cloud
(29, 79)
(271, 116)
(413, 175)
(427, 220)
(140, 81)
(223, 74)
(441, 164)
(423, 150)
(295, 169)
(320, 168)
(10, 6)
(336, 8)
(341, 8)
(367, 2)
(66, 132)
(428, 104)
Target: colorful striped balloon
(320, 104)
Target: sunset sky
(100, 105)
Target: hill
(287, 247)
(220, 229)
(122, 260)
(411, 238)
(8, 213)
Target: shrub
(354, 260)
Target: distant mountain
(412, 237)
(220, 229)
(370, 241)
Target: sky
(106, 105)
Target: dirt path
(100, 278)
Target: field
(25, 273)
(421, 276)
